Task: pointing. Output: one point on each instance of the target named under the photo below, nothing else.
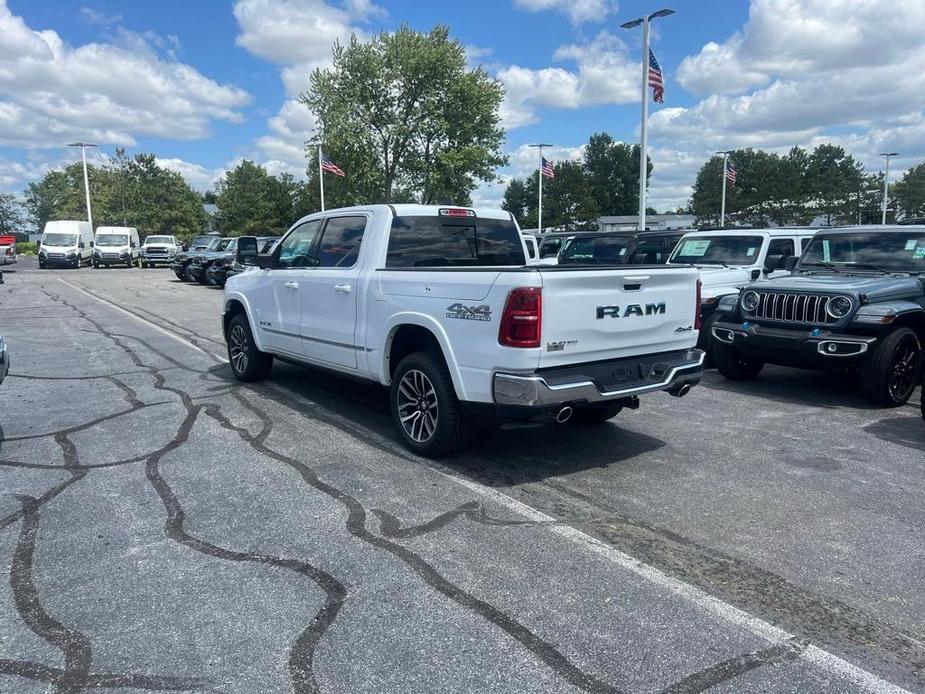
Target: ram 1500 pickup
(440, 305)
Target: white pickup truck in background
(440, 305)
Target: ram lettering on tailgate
(631, 310)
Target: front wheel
(247, 362)
(891, 374)
(731, 363)
(425, 409)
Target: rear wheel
(891, 374)
(596, 415)
(425, 409)
(247, 362)
(731, 363)
(180, 276)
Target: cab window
(784, 247)
(340, 242)
(295, 250)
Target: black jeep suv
(856, 299)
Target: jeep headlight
(839, 306)
(71, 254)
(750, 300)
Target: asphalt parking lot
(165, 528)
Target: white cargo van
(66, 243)
(116, 246)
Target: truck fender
(430, 323)
(240, 298)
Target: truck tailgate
(592, 314)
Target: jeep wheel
(891, 374)
(732, 364)
(247, 362)
(424, 406)
(596, 415)
(180, 276)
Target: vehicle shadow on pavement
(829, 390)
(503, 456)
(902, 430)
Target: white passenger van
(116, 246)
(66, 243)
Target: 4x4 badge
(462, 312)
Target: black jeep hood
(875, 288)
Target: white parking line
(832, 664)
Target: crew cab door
(329, 293)
(278, 300)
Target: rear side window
(605, 250)
(340, 241)
(439, 242)
(783, 247)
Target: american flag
(655, 79)
(330, 166)
(547, 169)
(731, 174)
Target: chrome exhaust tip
(681, 390)
(563, 415)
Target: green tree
(833, 180)
(568, 199)
(250, 200)
(59, 195)
(909, 192)
(11, 217)
(403, 116)
(707, 193)
(516, 201)
(613, 174)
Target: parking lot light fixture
(722, 208)
(643, 157)
(886, 184)
(83, 155)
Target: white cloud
(578, 11)
(605, 74)
(92, 16)
(51, 93)
(199, 177)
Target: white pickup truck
(440, 305)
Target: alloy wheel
(417, 405)
(904, 369)
(237, 346)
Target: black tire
(41, 265)
(922, 397)
(180, 276)
(437, 408)
(596, 415)
(96, 265)
(733, 365)
(892, 372)
(248, 363)
(706, 340)
(188, 276)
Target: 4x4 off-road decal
(462, 312)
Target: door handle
(291, 285)
(343, 288)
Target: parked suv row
(211, 259)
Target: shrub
(27, 248)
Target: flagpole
(321, 177)
(539, 172)
(643, 147)
(722, 209)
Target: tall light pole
(539, 173)
(722, 208)
(83, 155)
(886, 183)
(643, 156)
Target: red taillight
(522, 319)
(697, 319)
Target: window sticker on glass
(919, 252)
(695, 248)
(622, 251)
(750, 252)
(910, 245)
(826, 251)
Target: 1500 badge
(462, 312)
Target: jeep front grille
(793, 308)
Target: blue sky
(203, 84)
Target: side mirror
(774, 262)
(81, 245)
(246, 253)
(791, 263)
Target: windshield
(227, 245)
(111, 240)
(159, 239)
(886, 251)
(718, 250)
(602, 250)
(59, 240)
